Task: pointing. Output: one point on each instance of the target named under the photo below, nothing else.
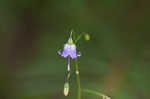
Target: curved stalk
(78, 38)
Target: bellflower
(69, 50)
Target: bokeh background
(116, 61)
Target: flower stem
(78, 80)
(78, 38)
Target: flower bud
(86, 36)
(70, 41)
(66, 89)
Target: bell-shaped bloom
(69, 50)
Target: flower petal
(79, 54)
(73, 55)
(59, 52)
(64, 54)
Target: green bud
(66, 89)
(86, 36)
(70, 41)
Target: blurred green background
(116, 61)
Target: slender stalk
(78, 38)
(78, 80)
(68, 69)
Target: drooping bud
(66, 89)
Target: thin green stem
(78, 38)
(78, 80)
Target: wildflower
(69, 51)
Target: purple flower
(69, 50)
